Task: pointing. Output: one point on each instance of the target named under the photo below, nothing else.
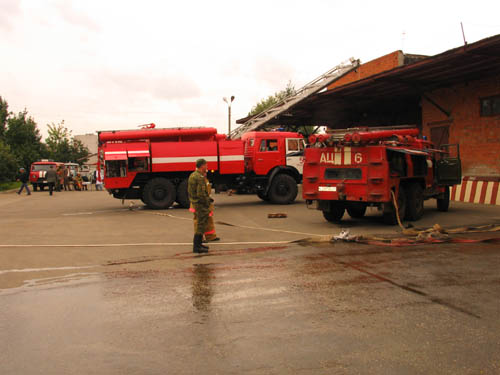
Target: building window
(490, 106)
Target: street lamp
(228, 101)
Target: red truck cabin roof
(44, 165)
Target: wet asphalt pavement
(271, 308)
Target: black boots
(197, 245)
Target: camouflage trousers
(204, 222)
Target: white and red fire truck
(353, 169)
(39, 169)
(154, 164)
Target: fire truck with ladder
(352, 169)
(154, 164)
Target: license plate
(327, 188)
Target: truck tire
(444, 203)
(356, 210)
(159, 193)
(283, 189)
(335, 214)
(35, 187)
(182, 194)
(414, 202)
(390, 211)
(263, 196)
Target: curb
(9, 191)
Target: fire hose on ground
(413, 236)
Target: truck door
(267, 156)
(295, 153)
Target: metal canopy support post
(281, 107)
(447, 113)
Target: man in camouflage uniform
(210, 234)
(200, 200)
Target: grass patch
(9, 185)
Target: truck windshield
(41, 167)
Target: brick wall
(479, 137)
(379, 65)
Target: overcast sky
(117, 64)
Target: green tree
(273, 99)
(8, 163)
(62, 146)
(4, 115)
(24, 139)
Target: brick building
(453, 97)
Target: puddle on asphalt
(202, 286)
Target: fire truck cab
(353, 169)
(38, 170)
(273, 164)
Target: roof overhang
(399, 87)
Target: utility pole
(228, 101)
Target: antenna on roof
(463, 34)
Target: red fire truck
(38, 171)
(353, 169)
(153, 164)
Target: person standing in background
(98, 180)
(60, 178)
(67, 185)
(51, 177)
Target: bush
(8, 165)
(9, 185)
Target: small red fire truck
(153, 164)
(38, 171)
(352, 169)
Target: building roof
(404, 83)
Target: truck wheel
(283, 189)
(159, 193)
(335, 214)
(182, 194)
(414, 202)
(356, 210)
(390, 211)
(35, 187)
(263, 196)
(444, 203)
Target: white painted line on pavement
(44, 269)
(145, 244)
